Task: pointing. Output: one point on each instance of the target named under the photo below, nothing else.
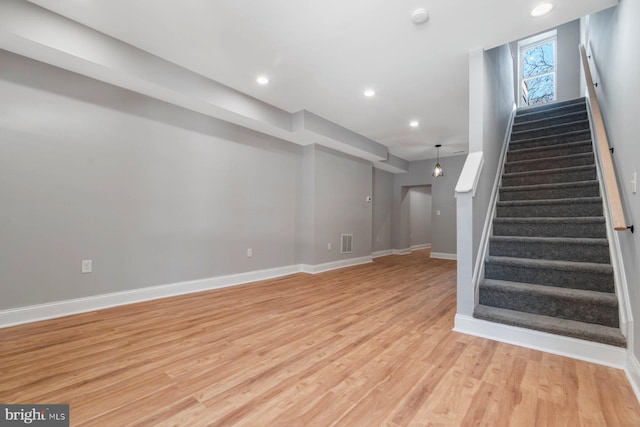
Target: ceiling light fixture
(437, 171)
(414, 123)
(541, 9)
(262, 80)
(369, 93)
(419, 16)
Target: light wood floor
(365, 346)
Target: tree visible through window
(538, 73)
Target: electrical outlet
(328, 246)
(438, 212)
(87, 266)
(249, 253)
(633, 183)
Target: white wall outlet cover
(438, 212)
(328, 246)
(633, 183)
(87, 266)
(249, 253)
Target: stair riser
(550, 178)
(557, 193)
(552, 151)
(545, 164)
(554, 211)
(550, 230)
(549, 121)
(524, 115)
(552, 251)
(550, 131)
(564, 279)
(555, 306)
(550, 141)
(611, 337)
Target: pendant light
(437, 171)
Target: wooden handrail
(602, 144)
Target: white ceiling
(320, 55)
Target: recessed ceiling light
(542, 9)
(414, 123)
(262, 80)
(369, 93)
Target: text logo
(34, 415)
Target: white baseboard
(419, 247)
(34, 313)
(320, 268)
(442, 255)
(405, 251)
(632, 371)
(588, 351)
(378, 254)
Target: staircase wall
(613, 37)
(491, 104)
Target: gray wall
(443, 226)
(498, 106)
(420, 215)
(382, 207)
(153, 194)
(614, 36)
(568, 74)
(342, 185)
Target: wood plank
(367, 345)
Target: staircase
(548, 265)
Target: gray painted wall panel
(498, 106)
(342, 184)
(614, 36)
(382, 208)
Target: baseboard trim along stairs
(548, 277)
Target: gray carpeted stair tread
(553, 325)
(546, 163)
(565, 303)
(561, 190)
(555, 150)
(549, 176)
(571, 201)
(550, 226)
(555, 240)
(553, 130)
(549, 148)
(549, 171)
(577, 184)
(546, 264)
(523, 115)
(550, 140)
(550, 106)
(578, 206)
(548, 121)
(576, 249)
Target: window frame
(532, 42)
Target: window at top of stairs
(538, 69)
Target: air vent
(347, 243)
